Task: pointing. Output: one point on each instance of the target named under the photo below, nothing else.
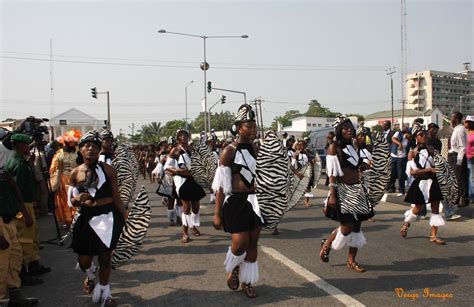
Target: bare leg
(187, 213)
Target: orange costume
(64, 162)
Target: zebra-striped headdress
(417, 128)
(91, 136)
(245, 114)
(106, 134)
(340, 120)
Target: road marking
(312, 278)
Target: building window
(327, 125)
(309, 125)
(320, 125)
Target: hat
(181, 130)
(245, 114)
(340, 120)
(470, 118)
(21, 138)
(91, 136)
(72, 136)
(106, 134)
(417, 129)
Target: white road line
(313, 278)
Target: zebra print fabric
(446, 180)
(298, 186)
(353, 199)
(134, 230)
(203, 164)
(272, 180)
(376, 179)
(126, 166)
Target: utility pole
(133, 128)
(390, 71)
(403, 45)
(258, 109)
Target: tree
(150, 133)
(315, 109)
(197, 125)
(170, 128)
(360, 118)
(285, 120)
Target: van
(317, 143)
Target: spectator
(457, 157)
(469, 125)
(399, 161)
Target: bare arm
(225, 161)
(115, 194)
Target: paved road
(167, 272)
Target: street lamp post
(390, 71)
(186, 102)
(205, 65)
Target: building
(430, 116)
(446, 91)
(76, 119)
(302, 124)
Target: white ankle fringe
(249, 272)
(357, 239)
(436, 220)
(341, 240)
(231, 260)
(410, 217)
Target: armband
(333, 168)
(222, 179)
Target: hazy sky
(333, 51)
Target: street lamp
(186, 102)
(205, 65)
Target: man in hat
(23, 174)
(107, 151)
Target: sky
(334, 51)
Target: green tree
(150, 133)
(315, 109)
(170, 128)
(197, 125)
(285, 120)
(360, 118)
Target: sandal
(110, 302)
(437, 241)
(249, 290)
(196, 232)
(185, 239)
(88, 285)
(325, 249)
(356, 267)
(233, 279)
(404, 230)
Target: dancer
(300, 159)
(347, 202)
(187, 189)
(425, 188)
(236, 209)
(94, 189)
(107, 147)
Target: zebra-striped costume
(126, 166)
(134, 231)
(203, 163)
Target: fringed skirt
(424, 191)
(238, 214)
(352, 204)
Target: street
(166, 272)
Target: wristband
(333, 185)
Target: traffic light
(209, 87)
(94, 92)
(223, 99)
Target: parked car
(317, 143)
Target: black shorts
(238, 214)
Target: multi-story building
(446, 91)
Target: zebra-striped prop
(277, 188)
(446, 180)
(203, 164)
(316, 170)
(376, 179)
(134, 230)
(272, 180)
(126, 166)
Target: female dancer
(236, 207)
(190, 193)
(94, 189)
(425, 188)
(347, 202)
(300, 159)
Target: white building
(430, 116)
(302, 124)
(446, 91)
(76, 119)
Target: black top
(236, 168)
(104, 191)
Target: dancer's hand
(28, 220)
(332, 200)
(217, 222)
